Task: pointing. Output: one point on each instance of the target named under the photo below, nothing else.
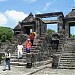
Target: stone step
(13, 56)
(17, 55)
(68, 55)
(32, 51)
(22, 64)
(67, 60)
(66, 67)
(70, 51)
(14, 63)
(18, 63)
(18, 60)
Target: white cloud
(38, 12)
(15, 15)
(3, 19)
(30, 1)
(2, 0)
(12, 17)
(48, 4)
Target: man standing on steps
(20, 48)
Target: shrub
(3, 38)
(6, 33)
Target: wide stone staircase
(67, 57)
(22, 62)
(40, 52)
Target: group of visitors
(28, 45)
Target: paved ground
(21, 70)
(49, 71)
(42, 70)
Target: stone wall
(13, 45)
(45, 49)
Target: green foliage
(3, 38)
(72, 36)
(49, 31)
(6, 33)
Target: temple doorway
(53, 27)
(27, 29)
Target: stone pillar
(38, 26)
(28, 60)
(55, 62)
(60, 24)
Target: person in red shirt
(32, 38)
(28, 46)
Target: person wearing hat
(28, 45)
(7, 60)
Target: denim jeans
(7, 62)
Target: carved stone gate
(59, 20)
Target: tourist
(32, 38)
(28, 45)
(7, 60)
(20, 48)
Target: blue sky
(13, 11)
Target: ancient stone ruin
(60, 47)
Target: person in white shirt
(7, 60)
(20, 48)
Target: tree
(3, 38)
(49, 31)
(72, 36)
(6, 33)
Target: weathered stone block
(28, 57)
